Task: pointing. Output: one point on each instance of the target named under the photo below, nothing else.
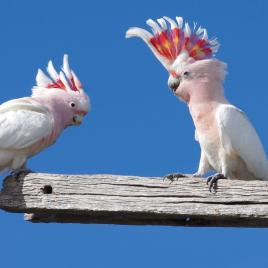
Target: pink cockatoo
(229, 143)
(29, 125)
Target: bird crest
(170, 38)
(66, 79)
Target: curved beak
(174, 83)
(77, 119)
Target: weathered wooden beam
(135, 200)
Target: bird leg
(212, 181)
(20, 172)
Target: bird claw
(174, 176)
(18, 173)
(212, 182)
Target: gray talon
(174, 176)
(17, 174)
(212, 181)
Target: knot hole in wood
(47, 189)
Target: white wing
(239, 136)
(22, 124)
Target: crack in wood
(116, 199)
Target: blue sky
(136, 125)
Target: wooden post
(116, 199)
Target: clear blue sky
(136, 125)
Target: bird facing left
(30, 124)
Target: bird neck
(56, 112)
(204, 101)
(206, 92)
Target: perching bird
(29, 125)
(229, 143)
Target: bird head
(62, 93)
(187, 54)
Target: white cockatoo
(229, 143)
(30, 124)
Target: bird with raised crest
(229, 143)
(29, 125)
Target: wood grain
(116, 199)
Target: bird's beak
(77, 119)
(174, 84)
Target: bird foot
(21, 172)
(212, 181)
(196, 175)
(175, 176)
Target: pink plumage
(196, 78)
(30, 124)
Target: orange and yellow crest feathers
(170, 37)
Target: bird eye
(186, 74)
(72, 104)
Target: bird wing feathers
(239, 136)
(23, 123)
